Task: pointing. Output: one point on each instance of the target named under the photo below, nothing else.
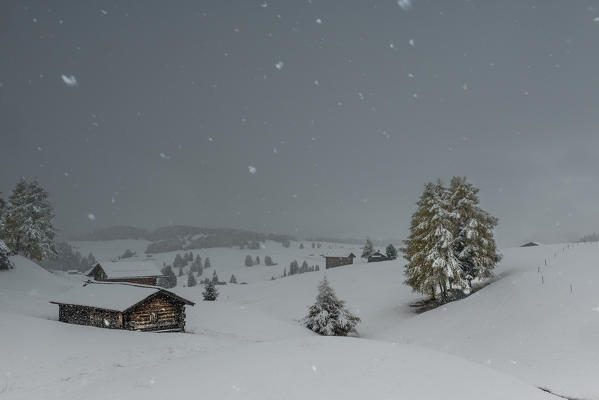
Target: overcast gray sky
(344, 108)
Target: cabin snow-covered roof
(129, 269)
(112, 296)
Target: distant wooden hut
(123, 306)
(142, 272)
(530, 244)
(332, 262)
(377, 256)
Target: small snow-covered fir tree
(474, 244)
(233, 279)
(249, 261)
(191, 280)
(214, 277)
(328, 316)
(210, 293)
(391, 252)
(432, 263)
(368, 248)
(207, 263)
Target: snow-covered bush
(328, 316)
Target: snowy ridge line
(140, 285)
(547, 390)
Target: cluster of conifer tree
(26, 223)
(451, 240)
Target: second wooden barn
(123, 306)
(144, 272)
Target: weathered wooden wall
(142, 281)
(332, 262)
(158, 313)
(90, 316)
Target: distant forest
(182, 237)
(593, 237)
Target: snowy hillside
(528, 329)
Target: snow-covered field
(536, 326)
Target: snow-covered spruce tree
(191, 280)
(214, 277)
(248, 261)
(432, 263)
(368, 248)
(328, 316)
(210, 293)
(474, 244)
(233, 279)
(257, 262)
(268, 261)
(207, 263)
(4, 260)
(29, 229)
(391, 252)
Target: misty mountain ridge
(183, 237)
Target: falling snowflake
(275, 150)
(164, 156)
(319, 21)
(465, 86)
(104, 12)
(392, 45)
(39, 148)
(279, 65)
(314, 368)
(316, 83)
(91, 217)
(264, 5)
(405, 5)
(596, 19)
(411, 41)
(69, 80)
(252, 169)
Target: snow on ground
(520, 332)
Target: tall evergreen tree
(214, 277)
(432, 263)
(29, 228)
(474, 244)
(248, 261)
(328, 316)
(233, 279)
(207, 263)
(368, 248)
(257, 262)
(210, 292)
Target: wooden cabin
(123, 306)
(332, 262)
(377, 256)
(142, 272)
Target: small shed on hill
(530, 244)
(332, 262)
(142, 272)
(123, 306)
(376, 257)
